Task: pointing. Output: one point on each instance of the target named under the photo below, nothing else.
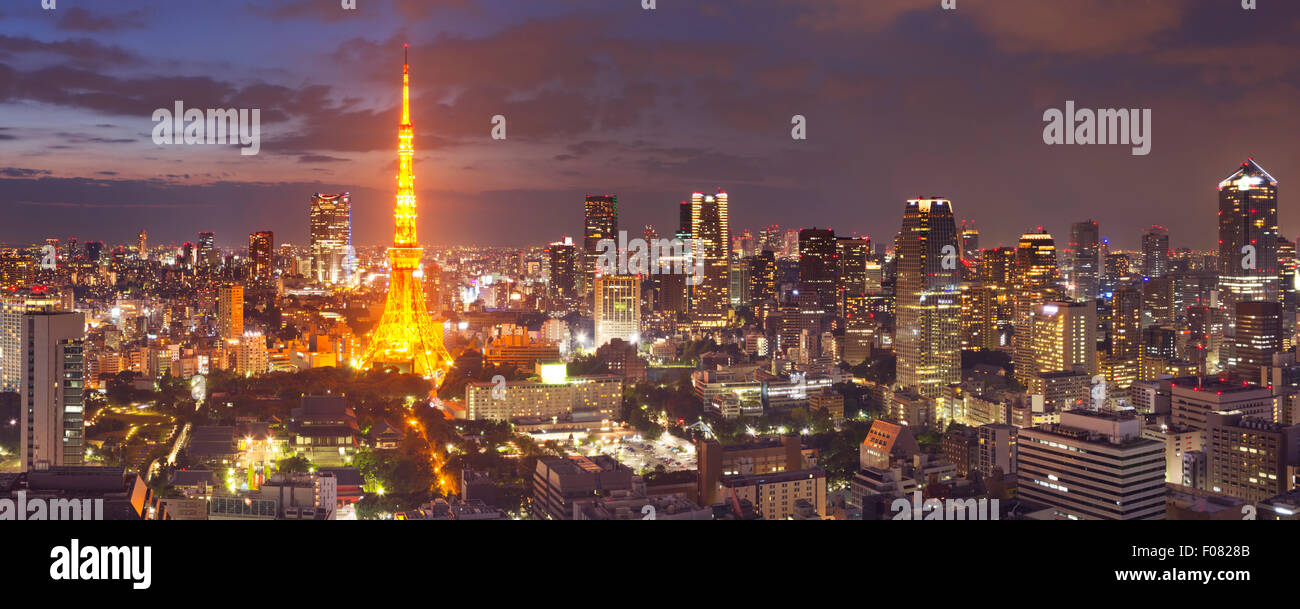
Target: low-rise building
(776, 496)
(559, 482)
(630, 505)
(553, 395)
(1093, 465)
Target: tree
(293, 465)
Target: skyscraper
(1155, 251)
(261, 256)
(928, 300)
(1065, 337)
(230, 312)
(93, 250)
(207, 252)
(142, 245)
(13, 306)
(979, 317)
(970, 240)
(331, 238)
(51, 389)
(710, 249)
(600, 221)
(1248, 232)
(1034, 283)
(851, 278)
(617, 310)
(1126, 323)
(1258, 337)
(818, 262)
(407, 337)
(562, 269)
(998, 267)
(1085, 240)
(762, 276)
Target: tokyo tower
(407, 336)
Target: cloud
(81, 51)
(320, 158)
(1101, 27)
(21, 172)
(84, 205)
(81, 20)
(419, 10)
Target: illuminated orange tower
(407, 336)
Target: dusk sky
(902, 99)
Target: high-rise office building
(1117, 268)
(230, 312)
(762, 276)
(998, 266)
(562, 269)
(1126, 323)
(1155, 252)
(1093, 465)
(1248, 233)
(1065, 338)
(142, 244)
(1159, 301)
(617, 310)
(1034, 282)
(979, 328)
(1258, 337)
(332, 256)
(1287, 266)
(853, 254)
(599, 221)
(1084, 259)
(13, 306)
(970, 241)
(261, 256)
(928, 298)
(740, 287)
(93, 250)
(818, 262)
(710, 239)
(1036, 266)
(53, 433)
(207, 254)
(770, 238)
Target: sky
(902, 98)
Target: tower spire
(406, 84)
(405, 213)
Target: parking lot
(673, 453)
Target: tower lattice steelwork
(407, 336)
